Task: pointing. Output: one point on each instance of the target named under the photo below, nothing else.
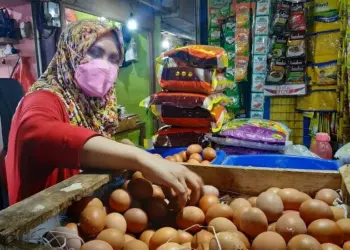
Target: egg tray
(235, 181)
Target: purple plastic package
(246, 151)
(256, 134)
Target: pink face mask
(96, 77)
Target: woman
(65, 121)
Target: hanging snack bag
(278, 47)
(193, 80)
(260, 46)
(296, 45)
(280, 18)
(257, 102)
(319, 41)
(242, 42)
(297, 19)
(198, 56)
(256, 114)
(242, 17)
(241, 69)
(263, 7)
(296, 71)
(229, 27)
(230, 73)
(326, 73)
(259, 64)
(258, 82)
(172, 137)
(277, 71)
(262, 26)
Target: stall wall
(26, 46)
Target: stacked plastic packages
(251, 136)
(192, 102)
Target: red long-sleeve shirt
(43, 146)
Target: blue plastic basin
(281, 161)
(164, 152)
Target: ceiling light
(166, 44)
(131, 23)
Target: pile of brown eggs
(141, 216)
(194, 154)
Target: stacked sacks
(192, 101)
(251, 136)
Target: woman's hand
(172, 175)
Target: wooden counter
(29, 213)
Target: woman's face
(106, 49)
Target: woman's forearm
(102, 153)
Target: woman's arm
(107, 154)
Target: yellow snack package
(318, 100)
(326, 73)
(324, 46)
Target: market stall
(235, 181)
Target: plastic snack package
(318, 100)
(326, 73)
(215, 35)
(319, 41)
(277, 71)
(263, 7)
(296, 71)
(234, 96)
(247, 151)
(193, 80)
(259, 64)
(242, 16)
(169, 137)
(297, 19)
(256, 114)
(310, 73)
(262, 26)
(279, 47)
(242, 42)
(257, 103)
(261, 45)
(214, 17)
(230, 73)
(280, 18)
(296, 45)
(258, 82)
(241, 70)
(198, 56)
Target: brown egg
(270, 241)
(271, 204)
(183, 155)
(206, 163)
(125, 185)
(203, 247)
(63, 235)
(330, 246)
(305, 196)
(116, 221)
(140, 189)
(202, 237)
(193, 162)
(92, 220)
(135, 244)
(170, 158)
(184, 237)
(296, 213)
(312, 210)
(207, 201)
(194, 149)
(137, 175)
(128, 237)
(158, 192)
(327, 195)
(170, 246)
(227, 241)
(219, 210)
(136, 220)
(190, 216)
(242, 237)
(113, 237)
(96, 245)
(73, 226)
(120, 200)
(146, 236)
(274, 190)
(252, 201)
(326, 231)
(178, 158)
(196, 157)
(76, 208)
(209, 189)
(346, 245)
(157, 208)
(303, 242)
(338, 212)
(272, 227)
(253, 222)
(237, 215)
(291, 198)
(221, 224)
(289, 226)
(344, 224)
(239, 202)
(162, 236)
(209, 154)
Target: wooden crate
(29, 213)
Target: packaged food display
(263, 8)
(257, 102)
(261, 45)
(262, 24)
(259, 64)
(258, 82)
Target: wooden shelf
(5, 40)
